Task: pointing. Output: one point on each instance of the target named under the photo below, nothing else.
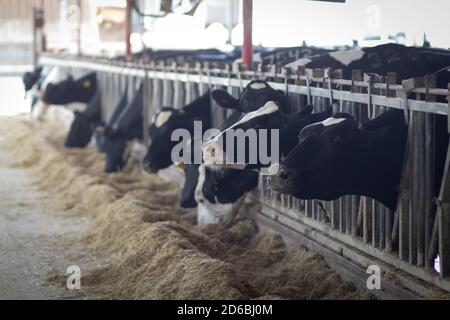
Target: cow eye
(337, 140)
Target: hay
(151, 249)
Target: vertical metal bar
(247, 49)
(355, 210)
(420, 200)
(412, 213)
(128, 25)
(146, 109)
(375, 222)
(444, 215)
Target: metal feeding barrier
(355, 228)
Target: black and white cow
(338, 157)
(127, 127)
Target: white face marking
(162, 118)
(332, 121)
(258, 86)
(219, 157)
(268, 108)
(298, 63)
(347, 56)
(212, 213)
(274, 169)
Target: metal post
(38, 30)
(128, 23)
(80, 22)
(247, 49)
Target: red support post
(128, 29)
(247, 49)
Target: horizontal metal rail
(392, 102)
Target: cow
(127, 127)
(338, 157)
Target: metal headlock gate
(352, 231)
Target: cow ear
(225, 100)
(306, 111)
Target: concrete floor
(34, 237)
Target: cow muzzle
(283, 180)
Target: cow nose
(213, 152)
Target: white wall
(289, 22)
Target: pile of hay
(151, 250)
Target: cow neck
(290, 127)
(199, 109)
(381, 177)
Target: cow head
(84, 124)
(165, 122)
(220, 194)
(338, 157)
(29, 79)
(115, 151)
